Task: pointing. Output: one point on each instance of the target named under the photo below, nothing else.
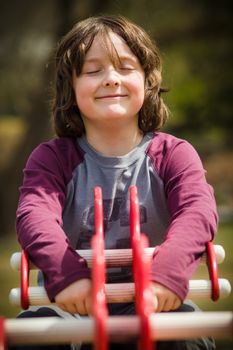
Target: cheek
(138, 81)
(138, 87)
(80, 101)
(82, 92)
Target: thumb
(154, 297)
(88, 304)
(155, 302)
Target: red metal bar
(213, 271)
(2, 334)
(24, 280)
(134, 228)
(100, 312)
(145, 305)
(141, 271)
(134, 215)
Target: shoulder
(59, 146)
(164, 143)
(57, 155)
(168, 152)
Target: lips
(110, 96)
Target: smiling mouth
(110, 97)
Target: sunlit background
(195, 39)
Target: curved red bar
(213, 270)
(134, 215)
(2, 334)
(24, 280)
(98, 275)
(141, 272)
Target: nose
(111, 78)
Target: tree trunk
(37, 119)
(38, 129)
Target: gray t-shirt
(55, 214)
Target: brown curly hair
(70, 56)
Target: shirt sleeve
(193, 214)
(39, 220)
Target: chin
(116, 112)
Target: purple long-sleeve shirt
(55, 213)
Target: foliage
(195, 38)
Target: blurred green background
(195, 39)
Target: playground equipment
(145, 326)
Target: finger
(88, 305)
(177, 304)
(161, 302)
(67, 308)
(81, 308)
(61, 306)
(155, 302)
(168, 305)
(72, 309)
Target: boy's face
(106, 92)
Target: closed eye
(93, 71)
(126, 68)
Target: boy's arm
(193, 215)
(39, 218)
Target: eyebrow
(90, 60)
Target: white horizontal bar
(164, 326)
(117, 257)
(124, 292)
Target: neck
(115, 141)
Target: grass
(12, 129)
(223, 238)
(8, 278)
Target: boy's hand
(165, 299)
(76, 298)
